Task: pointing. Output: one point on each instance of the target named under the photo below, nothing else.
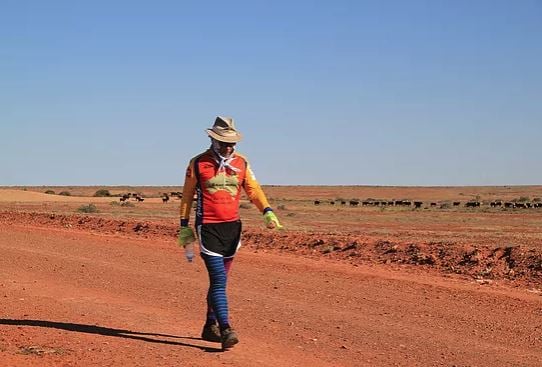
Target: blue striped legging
(217, 301)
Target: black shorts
(220, 239)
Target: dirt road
(71, 298)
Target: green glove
(186, 236)
(271, 221)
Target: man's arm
(189, 188)
(186, 234)
(254, 191)
(258, 198)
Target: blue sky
(344, 92)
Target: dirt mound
(518, 264)
(515, 263)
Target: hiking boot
(211, 333)
(229, 338)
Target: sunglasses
(225, 145)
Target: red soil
(85, 290)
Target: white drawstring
(226, 163)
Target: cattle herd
(165, 196)
(418, 204)
(138, 197)
(135, 196)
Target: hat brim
(226, 139)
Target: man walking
(217, 176)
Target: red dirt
(90, 291)
(519, 265)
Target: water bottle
(189, 252)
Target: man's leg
(211, 316)
(216, 295)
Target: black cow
(124, 197)
(177, 194)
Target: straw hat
(224, 130)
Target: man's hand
(271, 221)
(186, 236)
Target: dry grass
(295, 208)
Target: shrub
(523, 199)
(102, 193)
(90, 208)
(65, 193)
(51, 192)
(281, 207)
(245, 206)
(127, 204)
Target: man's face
(226, 149)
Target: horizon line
(281, 185)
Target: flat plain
(344, 284)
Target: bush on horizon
(65, 193)
(102, 193)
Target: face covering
(223, 162)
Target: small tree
(102, 193)
(90, 208)
(65, 193)
(50, 192)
